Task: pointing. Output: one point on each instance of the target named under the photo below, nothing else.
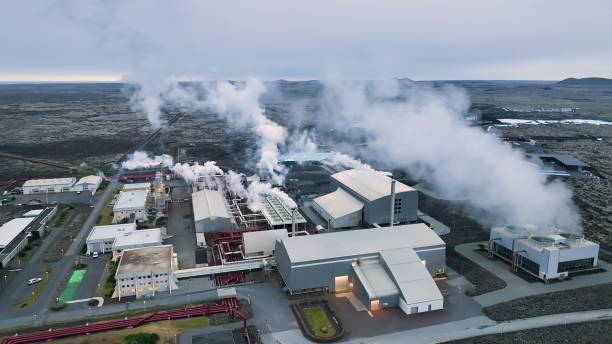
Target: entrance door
(342, 283)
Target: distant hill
(585, 82)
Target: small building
(116, 238)
(13, 238)
(37, 186)
(146, 271)
(279, 214)
(130, 205)
(88, 183)
(260, 244)
(563, 160)
(384, 267)
(546, 257)
(210, 213)
(363, 198)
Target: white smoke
(141, 159)
(255, 191)
(420, 129)
(346, 161)
(192, 173)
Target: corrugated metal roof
(565, 159)
(50, 181)
(277, 212)
(375, 279)
(209, 204)
(12, 228)
(90, 180)
(339, 203)
(370, 185)
(359, 242)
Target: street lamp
(35, 315)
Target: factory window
(529, 265)
(577, 264)
(501, 250)
(397, 206)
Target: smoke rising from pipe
(421, 129)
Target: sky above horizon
(114, 40)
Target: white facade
(211, 211)
(130, 203)
(117, 238)
(36, 186)
(339, 209)
(88, 183)
(261, 243)
(146, 271)
(548, 257)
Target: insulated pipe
(392, 202)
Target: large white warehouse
(363, 198)
(546, 257)
(116, 238)
(36, 186)
(384, 267)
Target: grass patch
(107, 288)
(46, 274)
(167, 330)
(105, 217)
(63, 215)
(142, 338)
(103, 185)
(319, 322)
(73, 284)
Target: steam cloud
(421, 129)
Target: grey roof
(277, 212)
(370, 185)
(339, 203)
(411, 276)
(145, 259)
(375, 279)
(11, 229)
(209, 204)
(49, 182)
(359, 242)
(565, 159)
(131, 199)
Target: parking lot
(181, 230)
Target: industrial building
(545, 257)
(384, 267)
(36, 186)
(279, 214)
(137, 186)
(88, 183)
(363, 198)
(211, 213)
(117, 238)
(130, 205)
(259, 244)
(145, 271)
(17, 233)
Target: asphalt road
(18, 290)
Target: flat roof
(359, 242)
(565, 159)
(136, 186)
(90, 180)
(339, 203)
(49, 181)
(277, 212)
(209, 204)
(145, 259)
(33, 213)
(370, 185)
(12, 228)
(126, 234)
(131, 199)
(375, 279)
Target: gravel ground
(574, 300)
(596, 332)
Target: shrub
(162, 221)
(58, 306)
(142, 338)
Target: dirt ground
(597, 332)
(575, 300)
(68, 231)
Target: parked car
(34, 280)
(95, 255)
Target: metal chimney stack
(392, 202)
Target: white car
(34, 280)
(95, 255)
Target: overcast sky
(486, 39)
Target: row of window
(143, 277)
(577, 264)
(397, 206)
(142, 284)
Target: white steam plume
(141, 159)
(420, 129)
(255, 191)
(346, 161)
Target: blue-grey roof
(565, 159)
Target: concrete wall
(147, 283)
(140, 214)
(435, 258)
(409, 308)
(213, 224)
(32, 190)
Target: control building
(116, 238)
(131, 205)
(363, 198)
(384, 267)
(145, 271)
(545, 257)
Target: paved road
(61, 268)
(472, 327)
(518, 287)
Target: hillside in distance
(585, 82)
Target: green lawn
(39, 287)
(106, 217)
(186, 324)
(318, 321)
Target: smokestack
(392, 202)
